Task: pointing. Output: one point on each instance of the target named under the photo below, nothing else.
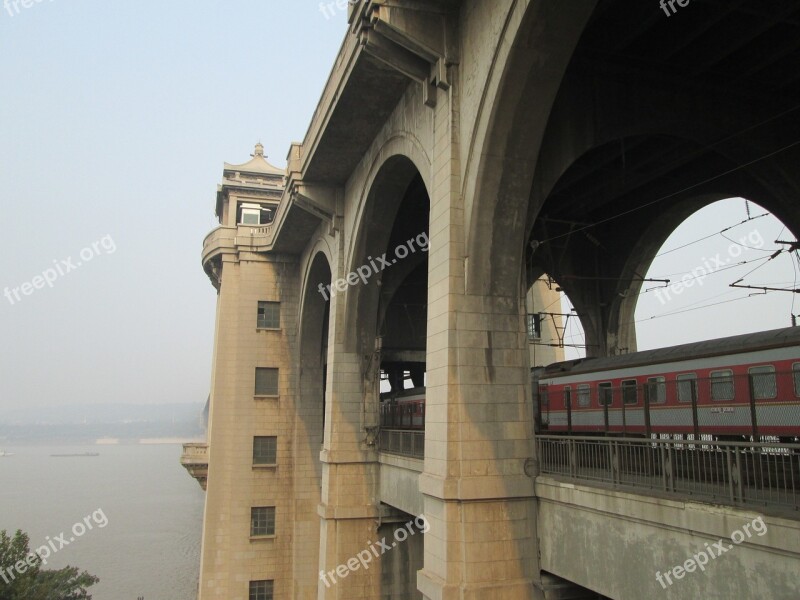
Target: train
(403, 409)
(739, 388)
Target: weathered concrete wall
(399, 565)
(400, 483)
(615, 543)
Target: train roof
(762, 340)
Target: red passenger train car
(735, 388)
(403, 409)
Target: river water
(144, 509)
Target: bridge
(460, 150)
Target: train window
(605, 395)
(584, 395)
(796, 377)
(687, 387)
(722, 387)
(567, 397)
(657, 390)
(763, 382)
(629, 391)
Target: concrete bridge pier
(348, 511)
(477, 498)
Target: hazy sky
(115, 119)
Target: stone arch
(391, 177)
(321, 249)
(552, 107)
(539, 39)
(310, 406)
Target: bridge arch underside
(387, 314)
(653, 118)
(310, 421)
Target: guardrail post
(737, 473)
(615, 476)
(729, 466)
(669, 469)
(573, 467)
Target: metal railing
(735, 473)
(402, 442)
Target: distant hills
(88, 422)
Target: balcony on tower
(195, 460)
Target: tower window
(262, 520)
(256, 214)
(266, 382)
(269, 315)
(261, 590)
(265, 450)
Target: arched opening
(388, 310)
(624, 125)
(310, 414)
(553, 324)
(688, 295)
(314, 321)
(628, 121)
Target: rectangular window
(265, 450)
(796, 377)
(687, 387)
(567, 397)
(544, 396)
(261, 590)
(251, 214)
(657, 390)
(763, 381)
(722, 387)
(269, 315)
(534, 327)
(605, 395)
(266, 381)
(262, 520)
(629, 391)
(584, 395)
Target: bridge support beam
(478, 500)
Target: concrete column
(348, 509)
(478, 500)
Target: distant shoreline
(177, 441)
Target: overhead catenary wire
(720, 232)
(678, 312)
